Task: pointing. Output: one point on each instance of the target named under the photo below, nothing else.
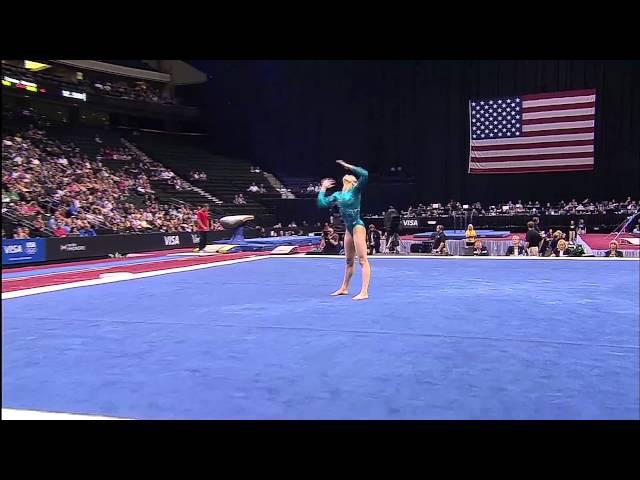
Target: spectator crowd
(139, 91)
(197, 175)
(59, 189)
(585, 207)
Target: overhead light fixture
(35, 66)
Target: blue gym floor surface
(438, 339)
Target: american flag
(547, 132)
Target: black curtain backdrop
(298, 117)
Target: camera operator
(330, 242)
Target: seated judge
(613, 250)
(515, 249)
(480, 250)
(562, 250)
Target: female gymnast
(355, 236)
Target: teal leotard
(349, 201)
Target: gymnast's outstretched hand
(326, 183)
(344, 164)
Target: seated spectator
(38, 226)
(561, 250)
(53, 222)
(293, 224)
(613, 250)
(470, 235)
(479, 249)
(515, 249)
(637, 228)
(87, 231)
(262, 189)
(253, 188)
(59, 231)
(216, 226)
(21, 233)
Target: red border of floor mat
(11, 285)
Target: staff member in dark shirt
(533, 240)
(439, 240)
(203, 225)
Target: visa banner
(26, 250)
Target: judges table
(456, 247)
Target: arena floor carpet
(259, 338)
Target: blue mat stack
(268, 244)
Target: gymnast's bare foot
(361, 296)
(340, 291)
